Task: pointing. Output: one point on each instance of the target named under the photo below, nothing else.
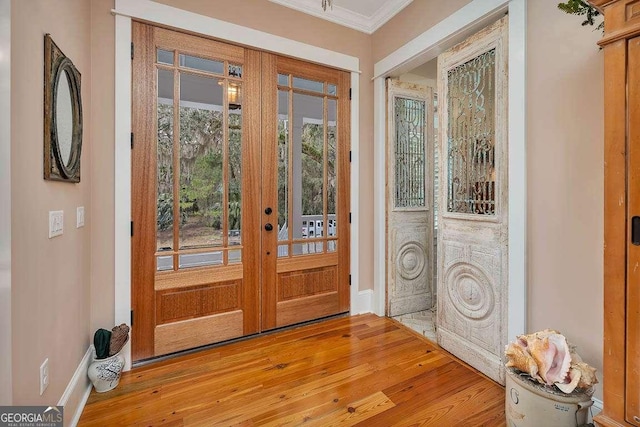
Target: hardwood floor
(365, 370)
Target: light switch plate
(56, 223)
(80, 217)
(44, 376)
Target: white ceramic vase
(105, 373)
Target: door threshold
(177, 354)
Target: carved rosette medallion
(411, 260)
(470, 291)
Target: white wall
(565, 149)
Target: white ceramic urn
(105, 373)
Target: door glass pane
(164, 263)
(332, 158)
(308, 160)
(306, 84)
(332, 89)
(235, 256)
(283, 251)
(283, 79)
(283, 164)
(235, 169)
(201, 64)
(308, 248)
(200, 260)
(165, 57)
(164, 238)
(235, 70)
(410, 161)
(471, 136)
(202, 186)
(332, 245)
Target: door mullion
(325, 171)
(290, 142)
(176, 165)
(225, 168)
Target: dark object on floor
(101, 340)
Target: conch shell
(547, 357)
(518, 357)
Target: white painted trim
(596, 408)
(157, 13)
(362, 302)
(123, 177)
(447, 32)
(6, 391)
(347, 17)
(153, 12)
(79, 387)
(424, 47)
(379, 197)
(517, 135)
(355, 195)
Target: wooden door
(195, 191)
(472, 229)
(240, 194)
(305, 212)
(410, 174)
(632, 365)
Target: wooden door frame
(425, 47)
(155, 13)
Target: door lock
(268, 226)
(268, 211)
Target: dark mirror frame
(56, 64)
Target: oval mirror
(64, 118)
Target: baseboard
(363, 302)
(77, 392)
(596, 408)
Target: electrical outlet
(80, 217)
(56, 223)
(44, 376)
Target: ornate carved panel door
(409, 198)
(472, 232)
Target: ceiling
(362, 15)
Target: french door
(473, 229)
(240, 166)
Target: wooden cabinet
(621, 47)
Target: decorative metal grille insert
(471, 136)
(410, 161)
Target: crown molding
(346, 17)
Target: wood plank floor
(361, 370)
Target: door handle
(635, 230)
(268, 226)
(268, 211)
